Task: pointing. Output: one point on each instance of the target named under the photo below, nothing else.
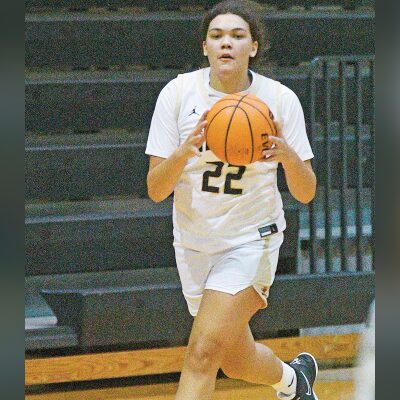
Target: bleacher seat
(98, 236)
(176, 4)
(66, 168)
(51, 338)
(76, 101)
(140, 308)
(79, 41)
(109, 235)
(84, 167)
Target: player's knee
(205, 354)
(233, 371)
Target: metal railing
(346, 114)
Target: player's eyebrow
(234, 29)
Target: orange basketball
(238, 130)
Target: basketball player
(228, 220)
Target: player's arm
(164, 173)
(291, 148)
(300, 177)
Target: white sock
(286, 388)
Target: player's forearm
(162, 179)
(301, 180)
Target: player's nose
(226, 42)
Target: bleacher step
(140, 311)
(83, 40)
(38, 314)
(94, 101)
(49, 338)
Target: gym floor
(332, 384)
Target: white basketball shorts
(230, 271)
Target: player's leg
(256, 363)
(209, 344)
(251, 361)
(253, 265)
(221, 320)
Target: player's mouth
(225, 57)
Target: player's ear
(205, 52)
(254, 49)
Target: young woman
(229, 220)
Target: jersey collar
(204, 84)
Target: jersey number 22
(228, 189)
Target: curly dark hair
(249, 11)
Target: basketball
(238, 130)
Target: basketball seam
(251, 135)
(252, 105)
(222, 109)
(229, 125)
(266, 118)
(219, 111)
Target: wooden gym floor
(336, 384)
(63, 378)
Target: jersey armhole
(179, 81)
(279, 104)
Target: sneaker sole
(316, 370)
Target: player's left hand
(280, 151)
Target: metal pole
(359, 156)
(343, 162)
(327, 153)
(311, 207)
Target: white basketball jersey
(216, 205)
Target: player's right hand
(190, 147)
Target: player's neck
(230, 82)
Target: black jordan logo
(193, 112)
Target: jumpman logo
(193, 112)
